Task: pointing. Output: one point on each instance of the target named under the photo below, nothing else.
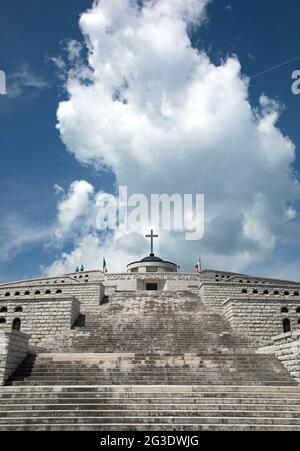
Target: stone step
(147, 420)
(150, 372)
(147, 382)
(127, 402)
(181, 342)
(184, 369)
(109, 349)
(149, 407)
(154, 371)
(212, 339)
(192, 363)
(159, 390)
(69, 415)
(148, 368)
(161, 427)
(65, 357)
(180, 370)
(174, 330)
(187, 392)
(105, 349)
(126, 349)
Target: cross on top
(152, 236)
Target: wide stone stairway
(150, 408)
(151, 361)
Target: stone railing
(287, 349)
(13, 350)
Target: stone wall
(13, 350)
(259, 319)
(74, 278)
(89, 294)
(263, 280)
(39, 281)
(92, 276)
(42, 318)
(287, 349)
(213, 294)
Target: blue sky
(33, 157)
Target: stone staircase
(151, 369)
(151, 323)
(119, 369)
(164, 408)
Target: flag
(104, 265)
(198, 265)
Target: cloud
(74, 205)
(90, 250)
(23, 80)
(16, 234)
(164, 118)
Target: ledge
(229, 283)
(46, 285)
(265, 298)
(47, 298)
(295, 335)
(9, 331)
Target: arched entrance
(286, 326)
(17, 324)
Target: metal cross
(152, 236)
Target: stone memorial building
(150, 349)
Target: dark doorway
(152, 287)
(17, 324)
(286, 326)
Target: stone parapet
(13, 350)
(88, 294)
(215, 293)
(260, 319)
(287, 349)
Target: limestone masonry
(150, 349)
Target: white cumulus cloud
(75, 204)
(165, 119)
